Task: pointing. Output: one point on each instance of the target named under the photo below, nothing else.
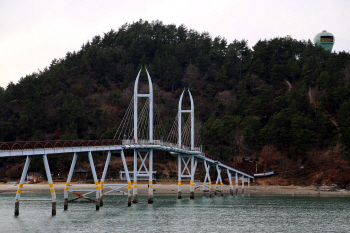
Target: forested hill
(241, 94)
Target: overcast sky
(33, 33)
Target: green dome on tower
(325, 39)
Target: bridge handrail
(183, 147)
(52, 144)
(128, 142)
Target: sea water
(242, 213)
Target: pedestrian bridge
(141, 132)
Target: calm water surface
(242, 213)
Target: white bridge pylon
(191, 111)
(150, 96)
(147, 152)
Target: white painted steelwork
(180, 111)
(161, 146)
(242, 183)
(21, 183)
(150, 96)
(230, 180)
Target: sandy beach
(171, 187)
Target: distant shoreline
(171, 187)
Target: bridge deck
(9, 149)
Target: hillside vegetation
(241, 97)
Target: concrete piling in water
(150, 182)
(53, 208)
(16, 208)
(65, 204)
(52, 189)
(150, 193)
(98, 204)
(222, 188)
(179, 195)
(230, 180)
(134, 193)
(127, 176)
(209, 188)
(70, 174)
(192, 189)
(129, 200)
(236, 182)
(97, 184)
(49, 179)
(242, 184)
(20, 185)
(101, 192)
(101, 201)
(129, 192)
(150, 199)
(179, 172)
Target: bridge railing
(183, 147)
(126, 142)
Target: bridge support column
(242, 183)
(193, 170)
(95, 180)
(20, 185)
(103, 177)
(207, 176)
(23, 177)
(236, 182)
(230, 180)
(179, 172)
(150, 170)
(210, 188)
(68, 181)
(134, 193)
(188, 171)
(52, 189)
(127, 177)
(219, 179)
